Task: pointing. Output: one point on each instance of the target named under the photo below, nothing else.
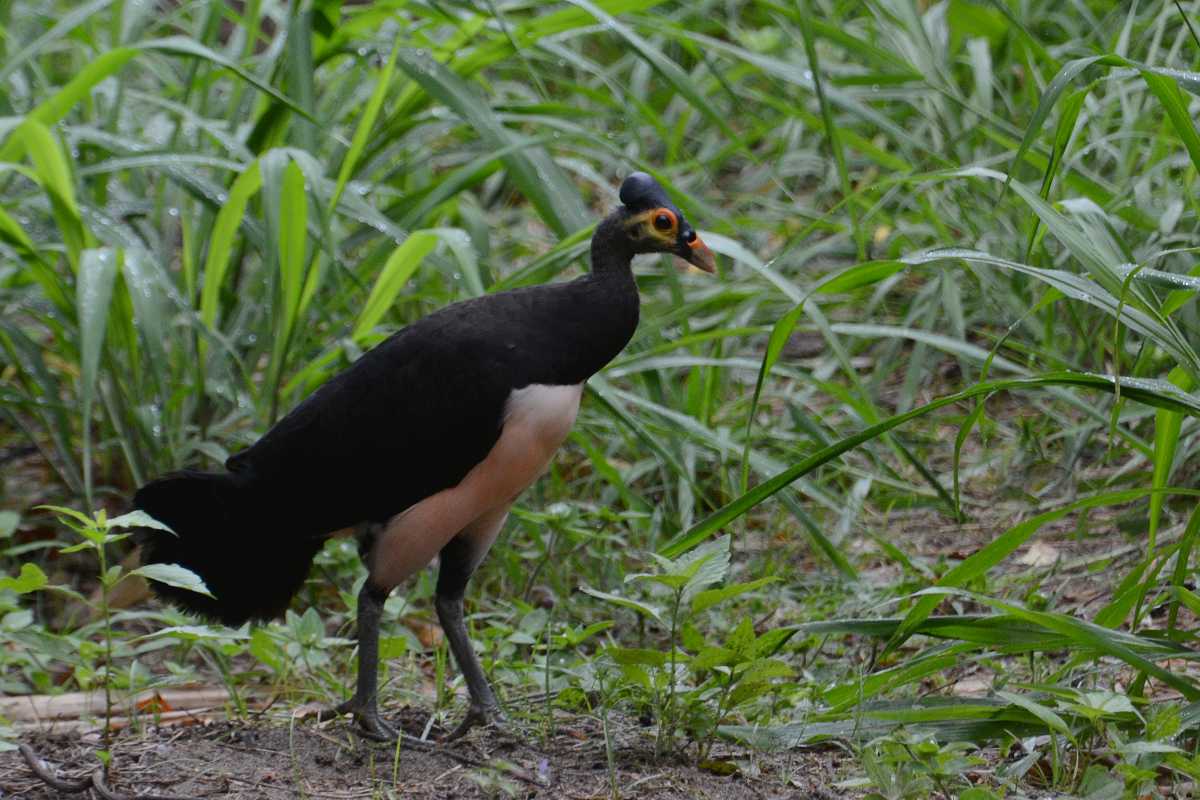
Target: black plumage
(409, 419)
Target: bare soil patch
(268, 758)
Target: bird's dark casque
(423, 444)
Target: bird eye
(664, 222)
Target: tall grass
(207, 210)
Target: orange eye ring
(664, 220)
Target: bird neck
(612, 252)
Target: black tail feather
(247, 553)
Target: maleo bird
(423, 444)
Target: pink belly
(537, 420)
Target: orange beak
(701, 257)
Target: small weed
(98, 533)
(733, 672)
(904, 766)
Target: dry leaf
(1040, 554)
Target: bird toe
(478, 717)
(370, 724)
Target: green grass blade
(1153, 393)
(181, 45)
(996, 551)
(1049, 99)
(365, 124)
(1087, 635)
(93, 296)
(63, 26)
(50, 167)
(1166, 440)
(534, 171)
(221, 241)
(400, 266)
(831, 129)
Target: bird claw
(370, 724)
(477, 717)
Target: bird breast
(537, 418)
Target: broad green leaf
(765, 669)
(267, 650)
(709, 657)
(30, 579)
(672, 582)
(637, 656)
(741, 638)
(137, 519)
(704, 566)
(391, 647)
(711, 597)
(644, 609)
(78, 516)
(173, 575)
(197, 633)
(1044, 713)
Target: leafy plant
(731, 674)
(97, 533)
(903, 765)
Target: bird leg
(455, 571)
(363, 704)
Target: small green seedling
(97, 532)
(734, 672)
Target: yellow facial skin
(661, 226)
(658, 224)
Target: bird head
(655, 225)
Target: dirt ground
(265, 759)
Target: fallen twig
(40, 769)
(95, 782)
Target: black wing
(411, 417)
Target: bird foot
(366, 716)
(478, 717)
